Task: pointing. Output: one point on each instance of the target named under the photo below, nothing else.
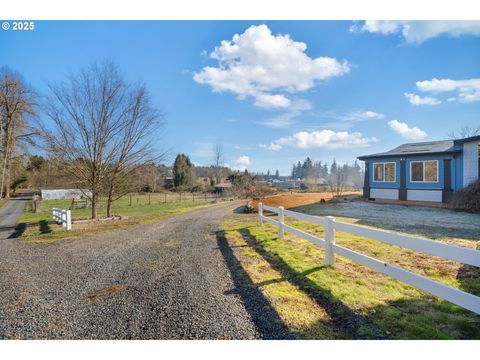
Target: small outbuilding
(426, 171)
(60, 194)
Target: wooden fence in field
(172, 197)
(452, 252)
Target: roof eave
(375, 156)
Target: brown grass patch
(106, 291)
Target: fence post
(280, 222)
(64, 218)
(329, 240)
(69, 220)
(260, 213)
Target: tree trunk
(110, 201)
(94, 205)
(7, 181)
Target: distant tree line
(338, 177)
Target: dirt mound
(293, 200)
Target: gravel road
(9, 215)
(176, 279)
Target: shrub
(467, 199)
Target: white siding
(391, 194)
(424, 195)
(470, 162)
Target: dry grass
(106, 291)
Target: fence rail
(451, 252)
(63, 217)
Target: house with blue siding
(426, 171)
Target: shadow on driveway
(263, 314)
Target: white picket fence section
(452, 252)
(62, 217)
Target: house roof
(431, 147)
(468, 139)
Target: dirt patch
(106, 291)
(294, 200)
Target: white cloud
(419, 31)
(417, 100)
(327, 139)
(272, 146)
(361, 115)
(266, 67)
(242, 163)
(468, 90)
(412, 133)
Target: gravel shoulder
(169, 280)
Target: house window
(424, 171)
(384, 172)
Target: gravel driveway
(176, 279)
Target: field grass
(40, 227)
(3, 202)
(350, 301)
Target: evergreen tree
(182, 170)
(334, 167)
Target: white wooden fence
(452, 252)
(62, 217)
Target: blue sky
(280, 90)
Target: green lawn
(350, 300)
(41, 227)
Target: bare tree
(464, 132)
(16, 106)
(100, 129)
(337, 181)
(218, 158)
(133, 144)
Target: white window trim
(394, 172)
(423, 182)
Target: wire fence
(171, 197)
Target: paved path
(176, 279)
(9, 215)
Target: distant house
(427, 171)
(222, 187)
(284, 183)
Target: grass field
(40, 226)
(350, 301)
